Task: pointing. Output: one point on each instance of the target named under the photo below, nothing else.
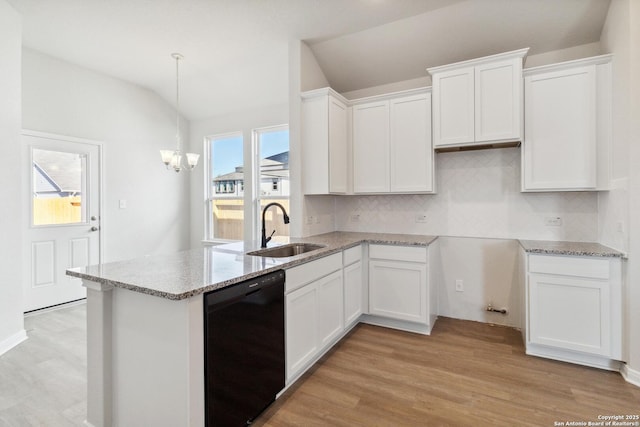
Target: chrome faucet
(265, 239)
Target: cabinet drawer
(398, 253)
(570, 266)
(351, 255)
(305, 273)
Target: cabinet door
(398, 290)
(323, 137)
(453, 107)
(498, 101)
(330, 308)
(371, 147)
(411, 153)
(570, 313)
(337, 146)
(352, 293)
(559, 150)
(302, 328)
(314, 139)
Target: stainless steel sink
(283, 251)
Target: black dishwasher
(243, 349)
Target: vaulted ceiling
(236, 51)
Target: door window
(59, 187)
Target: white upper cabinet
(411, 153)
(392, 150)
(478, 102)
(453, 113)
(324, 142)
(567, 126)
(371, 147)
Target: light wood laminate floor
(464, 374)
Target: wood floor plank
(464, 374)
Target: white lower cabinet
(302, 328)
(570, 313)
(330, 308)
(326, 297)
(353, 285)
(399, 292)
(353, 295)
(314, 311)
(574, 307)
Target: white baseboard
(631, 376)
(401, 325)
(569, 356)
(12, 341)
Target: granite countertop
(188, 273)
(569, 248)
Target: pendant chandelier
(173, 158)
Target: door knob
(94, 228)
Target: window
(234, 194)
(272, 147)
(59, 181)
(225, 206)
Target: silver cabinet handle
(93, 218)
(94, 228)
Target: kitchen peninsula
(145, 316)
(145, 323)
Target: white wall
(488, 269)
(575, 52)
(311, 75)
(561, 55)
(633, 278)
(244, 122)
(133, 123)
(621, 36)
(389, 88)
(11, 209)
(614, 205)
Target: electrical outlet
(421, 217)
(122, 204)
(459, 285)
(309, 220)
(553, 221)
(355, 217)
(620, 227)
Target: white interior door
(63, 199)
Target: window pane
(273, 182)
(274, 163)
(226, 189)
(228, 218)
(58, 182)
